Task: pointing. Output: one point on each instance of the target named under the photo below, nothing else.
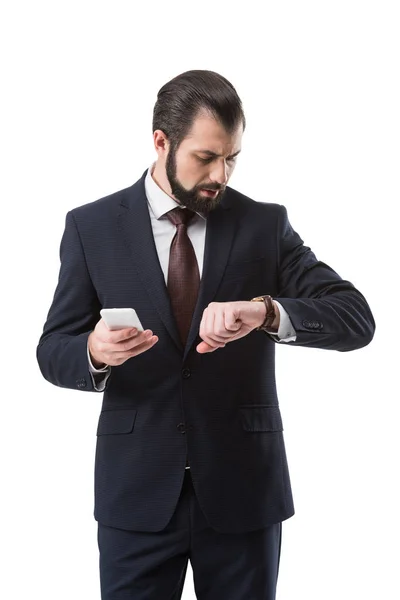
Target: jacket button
(181, 427)
(186, 373)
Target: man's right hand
(113, 348)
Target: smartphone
(120, 318)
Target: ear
(161, 143)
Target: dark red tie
(183, 272)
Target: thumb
(203, 347)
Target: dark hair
(181, 100)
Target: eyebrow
(214, 153)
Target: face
(200, 169)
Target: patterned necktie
(183, 272)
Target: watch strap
(270, 314)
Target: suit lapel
(135, 226)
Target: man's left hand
(225, 322)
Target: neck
(160, 177)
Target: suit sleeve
(326, 311)
(74, 312)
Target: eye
(205, 161)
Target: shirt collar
(159, 201)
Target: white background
(319, 83)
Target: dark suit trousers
(138, 565)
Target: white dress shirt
(159, 203)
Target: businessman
(190, 457)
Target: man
(190, 456)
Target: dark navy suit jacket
(219, 409)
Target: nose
(219, 173)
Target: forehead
(207, 133)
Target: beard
(192, 198)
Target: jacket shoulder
(257, 207)
(105, 205)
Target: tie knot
(180, 216)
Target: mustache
(211, 189)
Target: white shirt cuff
(99, 376)
(286, 331)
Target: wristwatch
(270, 314)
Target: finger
(210, 335)
(213, 343)
(136, 350)
(208, 327)
(203, 347)
(112, 337)
(220, 333)
(109, 348)
(133, 341)
(231, 322)
(124, 334)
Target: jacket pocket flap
(116, 421)
(261, 418)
